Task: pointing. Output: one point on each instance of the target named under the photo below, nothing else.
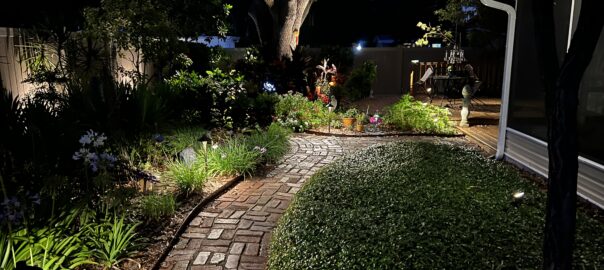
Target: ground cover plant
(409, 114)
(420, 206)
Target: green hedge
(420, 206)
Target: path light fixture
(330, 109)
(204, 143)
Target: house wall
(527, 126)
(12, 71)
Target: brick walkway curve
(234, 231)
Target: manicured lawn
(420, 206)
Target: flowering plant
(91, 152)
(323, 80)
(376, 119)
(325, 71)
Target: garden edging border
(192, 215)
(319, 133)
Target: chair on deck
(422, 84)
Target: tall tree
(562, 86)
(153, 28)
(280, 30)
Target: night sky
(343, 22)
(331, 22)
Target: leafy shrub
(351, 113)
(272, 143)
(298, 113)
(408, 114)
(188, 177)
(359, 82)
(227, 92)
(156, 206)
(111, 241)
(232, 158)
(264, 108)
(193, 103)
(60, 245)
(420, 206)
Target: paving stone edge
(192, 215)
(394, 134)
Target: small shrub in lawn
(408, 114)
(188, 177)
(156, 206)
(272, 143)
(232, 158)
(420, 206)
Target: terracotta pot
(347, 122)
(360, 128)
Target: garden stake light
(329, 108)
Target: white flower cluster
(90, 153)
(262, 150)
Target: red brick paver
(234, 231)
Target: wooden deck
(484, 136)
(484, 121)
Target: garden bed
(342, 132)
(421, 206)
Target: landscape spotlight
(359, 47)
(517, 198)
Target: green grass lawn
(420, 206)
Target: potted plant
(360, 120)
(348, 117)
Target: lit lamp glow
(359, 47)
(517, 198)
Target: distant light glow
(359, 47)
(415, 61)
(269, 87)
(436, 45)
(429, 90)
(518, 195)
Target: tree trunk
(562, 87)
(294, 14)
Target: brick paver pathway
(234, 231)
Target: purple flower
(109, 158)
(11, 210)
(158, 138)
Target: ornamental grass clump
(410, 115)
(154, 207)
(272, 143)
(188, 177)
(232, 158)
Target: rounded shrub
(419, 206)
